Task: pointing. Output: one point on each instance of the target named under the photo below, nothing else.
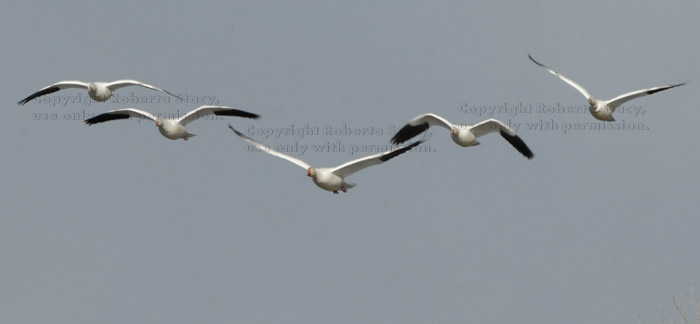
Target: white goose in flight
(171, 128)
(98, 91)
(603, 109)
(463, 135)
(332, 179)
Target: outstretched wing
(417, 125)
(619, 100)
(216, 110)
(270, 151)
(114, 85)
(492, 125)
(353, 166)
(53, 88)
(120, 114)
(565, 79)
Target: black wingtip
(533, 60)
(37, 94)
(90, 121)
(25, 100)
(237, 113)
(519, 145)
(665, 88)
(234, 130)
(408, 132)
(414, 144)
(397, 152)
(105, 117)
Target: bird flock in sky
(333, 179)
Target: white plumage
(604, 109)
(171, 128)
(332, 179)
(98, 91)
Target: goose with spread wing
(604, 109)
(171, 128)
(98, 91)
(463, 135)
(332, 179)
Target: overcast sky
(113, 223)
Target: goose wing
(417, 125)
(216, 110)
(353, 166)
(619, 100)
(53, 88)
(563, 78)
(114, 85)
(492, 125)
(270, 151)
(120, 114)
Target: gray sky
(113, 223)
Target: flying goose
(171, 128)
(463, 135)
(99, 91)
(332, 179)
(603, 109)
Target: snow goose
(463, 135)
(98, 91)
(603, 109)
(171, 128)
(332, 179)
